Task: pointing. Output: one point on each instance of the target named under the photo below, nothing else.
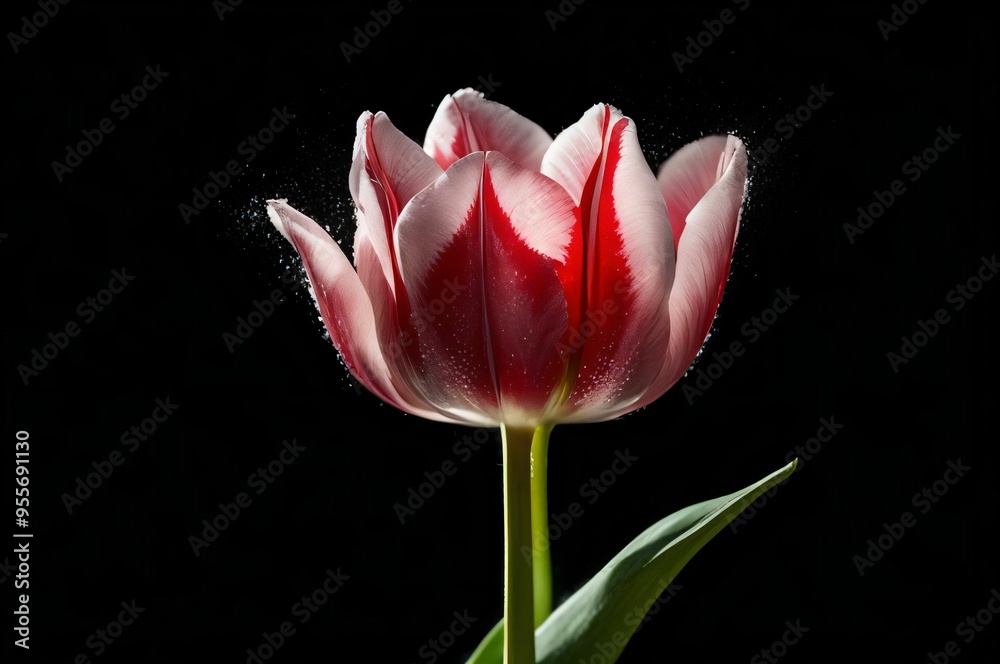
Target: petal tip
(734, 160)
(466, 92)
(362, 127)
(277, 212)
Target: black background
(333, 507)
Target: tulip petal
(479, 250)
(467, 122)
(387, 171)
(574, 152)
(688, 175)
(394, 340)
(379, 293)
(344, 306)
(705, 192)
(705, 248)
(628, 261)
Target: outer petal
(704, 185)
(574, 152)
(395, 340)
(379, 293)
(479, 251)
(621, 327)
(387, 171)
(688, 175)
(467, 122)
(344, 305)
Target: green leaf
(601, 616)
(490, 651)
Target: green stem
(541, 558)
(518, 609)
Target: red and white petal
(688, 174)
(344, 306)
(387, 171)
(628, 261)
(571, 157)
(394, 339)
(377, 288)
(478, 257)
(467, 122)
(704, 252)
(709, 206)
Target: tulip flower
(505, 278)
